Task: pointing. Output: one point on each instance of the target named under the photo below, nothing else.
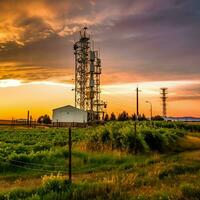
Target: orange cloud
(140, 43)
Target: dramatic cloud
(188, 92)
(139, 40)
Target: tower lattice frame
(87, 78)
(164, 92)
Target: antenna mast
(87, 77)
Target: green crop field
(34, 162)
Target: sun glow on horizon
(147, 87)
(106, 87)
(42, 96)
(9, 83)
(4, 83)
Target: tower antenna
(87, 77)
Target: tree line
(124, 116)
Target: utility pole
(137, 115)
(70, 155)
(137, 101)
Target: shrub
(121, 136)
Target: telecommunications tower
(163, 92)
(87, 78)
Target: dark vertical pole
(137, 115)
(137, 101)
(70, 154)
(28, 118)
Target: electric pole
(137, 116)
(137, 101)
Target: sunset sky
(149, 43)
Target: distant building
(69, 115)
(182, 119)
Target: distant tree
(40, 120)
(106, 118)
(123, 116)
(139, 117)
(157, 118)
(112, 117)
(142, 117)
(44, 119)
(133, 117)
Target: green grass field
(34, 162)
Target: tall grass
(58, 188)
(122, 136)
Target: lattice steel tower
(87, 78)
(163, 92)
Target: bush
(121, 136)
(54, 187)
